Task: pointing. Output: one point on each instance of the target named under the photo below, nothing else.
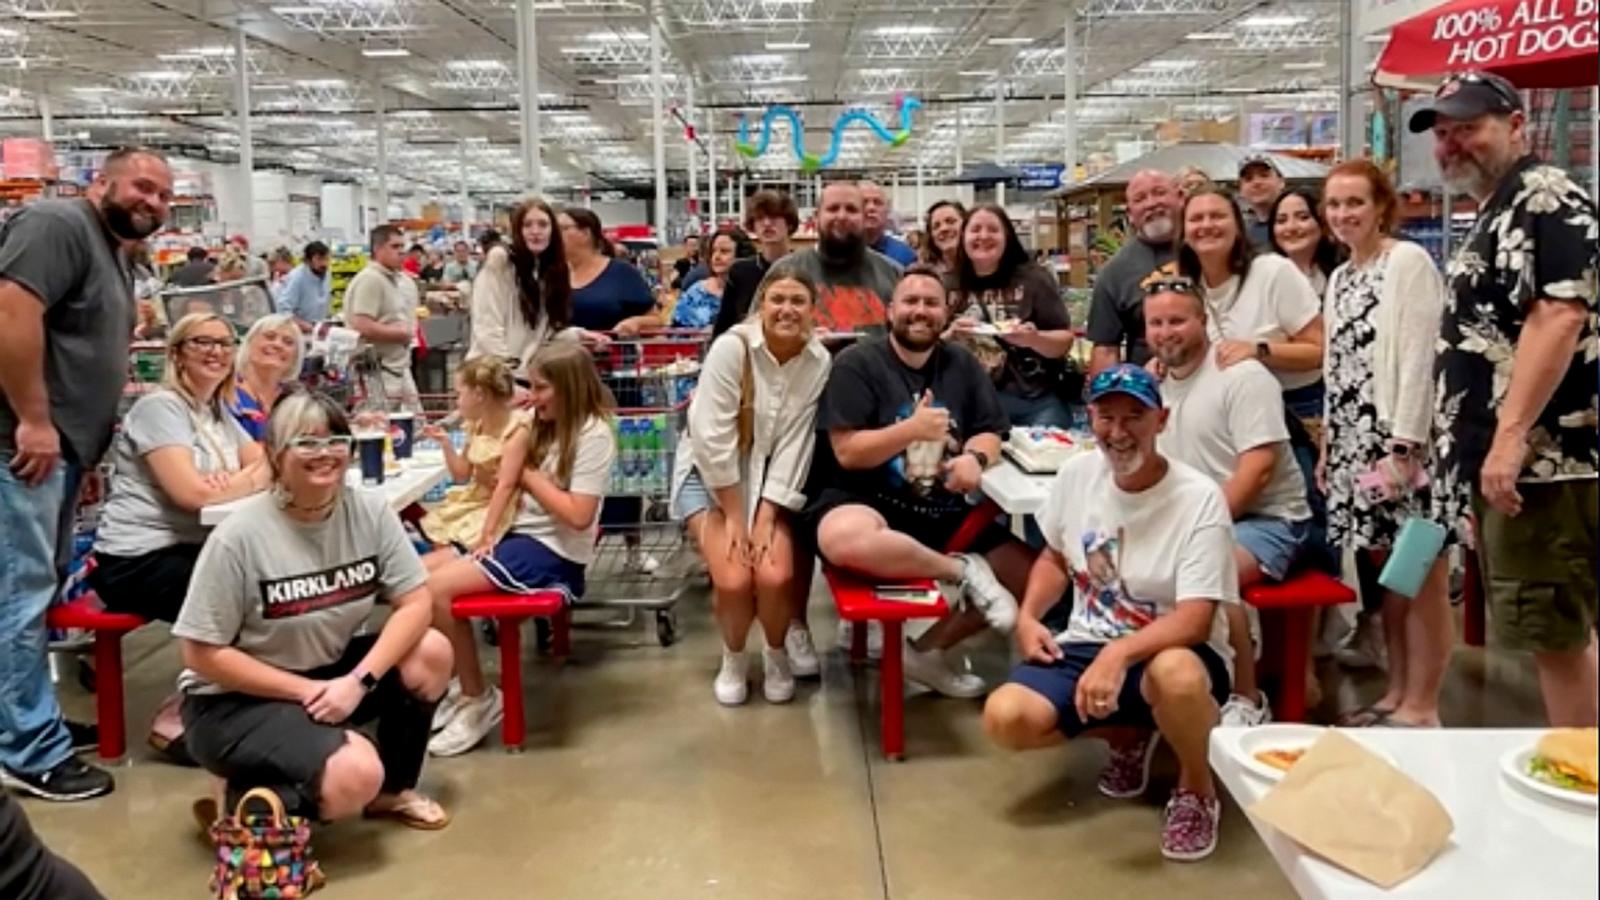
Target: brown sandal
(418, 812)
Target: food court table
(1509, 842)
(1014, 490)
(401, 488)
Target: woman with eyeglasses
(1300, 235)
(1008, 310)
(280, 668)
(269, 362)
(1383, 309)
(178, 451)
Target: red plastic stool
(1294, 600)
(87, 613)
(509, 611)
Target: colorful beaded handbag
(263, 857)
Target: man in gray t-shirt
(1116, 313)
(854, 282)
(66, 317)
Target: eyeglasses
(1171, 285)
(313, 445)
(211, 344)
(1493, 84)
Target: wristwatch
(369, 682)
(981, 457)
(1263, 350)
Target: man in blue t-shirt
(875, 213)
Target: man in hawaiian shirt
(1517, 388)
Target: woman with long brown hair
(522, 297)
(944, 221)
(552, 537)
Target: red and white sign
(1532, 43)
(27, 158)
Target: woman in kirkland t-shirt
(552, 538)
(178, 452)
(280, 670)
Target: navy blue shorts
(523, 565)
(1058, 683)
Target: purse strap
(747, 398)
(267, 796)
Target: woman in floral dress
(1382, 317)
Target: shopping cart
(642, 559)
(241, 302)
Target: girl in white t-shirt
(552, 537)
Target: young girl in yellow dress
(475, 515)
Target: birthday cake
(1044, 450)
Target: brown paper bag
(1357, 811)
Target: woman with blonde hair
(178, 452)
(552, 537)
(270, 357)
(741, 471)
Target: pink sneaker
(1127, 774)
(1189, 826)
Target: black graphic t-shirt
(870, 388)
(1534, 239)
(292, 595)
(1030, 295)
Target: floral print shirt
(1534, 239)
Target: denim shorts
(1275, 543)
(693, 498)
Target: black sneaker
(73, 779)
(85, 736)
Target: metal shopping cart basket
(240, 302)
(642, 559)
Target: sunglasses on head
(1494, 84)
(1171, 285)
(1115, 380)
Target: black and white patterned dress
(1356, 438)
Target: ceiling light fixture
(1009, 41)
(1271, 21)
(906, 30)
(977, 73)
(297, 10)
(45, 15)
(1209, 36)
(384, 52)
(474, 65)
(788, 45)
(1304, 66)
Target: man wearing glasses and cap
(1147, 545)
(1260, 183)
(1516, 407)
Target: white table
(402, 488)
(1014, 490)
(1508, 841)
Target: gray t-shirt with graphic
(139, 517)
(292, 594)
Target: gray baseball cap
(1467, 95)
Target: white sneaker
(802, 651)
(1242, 712)
(874, 638)
(449, 705)
(934, 672)
(985, 591)
(732, 684)
(777, 680)
(475, 718)
(639, 563)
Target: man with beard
(1228, 423)
(1145, 543)
(911, 422)
(1116, 319)
(307, 290)
(875, 212)
(1516, 411)
(66, 316)
(854, 282)
(1260, 183)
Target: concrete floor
(636, 784)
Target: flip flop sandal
(205, 814)
(1365, 717)
(1387, 720)
(174, 750)
(415, 813)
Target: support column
(1351, 140)
(711, 182)
(744, 197)
(381, 113)
(922, 202)
(47, 122)
(528, 83)
(466, 200)
(657, 92)
(688, 149)
(1000, 139)
(1069, 99)
(247, 153)
(961, 137)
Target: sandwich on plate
(1568, 758)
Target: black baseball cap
(1468, 95)
(1259, 159)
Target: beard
(1157, 229)
(1474, 177)
(1177, 356)
(849, 245)
(128, 223)
(901, 330)
(1124, 464)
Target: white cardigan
(1406, 330)
(784, 420)
(498, 327)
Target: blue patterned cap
(1126, 378)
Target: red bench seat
(1291, 603)
(88, 614)
(509, 611)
